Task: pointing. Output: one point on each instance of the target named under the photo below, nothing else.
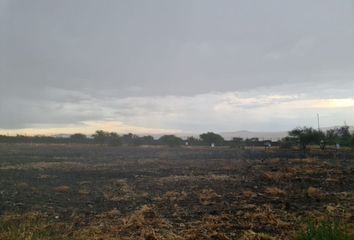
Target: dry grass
(22, 185)
(208, 197)
(250, 235)
(315, 193)
(32, 226)
(62, 189)
(199, 178)
(308, 161)
(249, 194)
(118, 190)
(173, 196)
(274, 191)
(144, 223)
(46, 166)
(276, 177)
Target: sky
(163, 66)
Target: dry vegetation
(96, 192)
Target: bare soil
(102, 192)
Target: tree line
(305, 136)
(301, 137)
(115, 139)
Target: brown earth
(101, 192)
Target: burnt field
(50, 191)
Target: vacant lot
(102, 192)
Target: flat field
(50, 191)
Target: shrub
(324, 231)
(212, 138)
(170, 140)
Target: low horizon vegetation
(300, 136)
(325, 230)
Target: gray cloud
(261, 109)
(67, 62)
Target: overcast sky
(175, 66)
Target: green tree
(78, 138)
(111, 138)
(148, 140)
(306, 135)
(212, 138)
(131, 139)
(114, 139)
(331, 136)
(193, 141)
(171, 140)
(339, 135)
(100, 136)
(344, 135)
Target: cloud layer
(68, 111)
(175, 66)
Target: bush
(287, 143)
(78, 138)
(171, 140)
(305, 136)
(324, 231)
(111, 138)
(212, 138)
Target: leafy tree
(212, 138)
(331, 136)
(103, 137)
(306, 135)
(78, 138)
(131, 139)
(100, 136)
(114, 139)
(148, 140)
(344, 135)
(171, 140)
(339, 135)
(193, 141)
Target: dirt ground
(102, 192)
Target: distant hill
(249, 134)
(266, 135)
